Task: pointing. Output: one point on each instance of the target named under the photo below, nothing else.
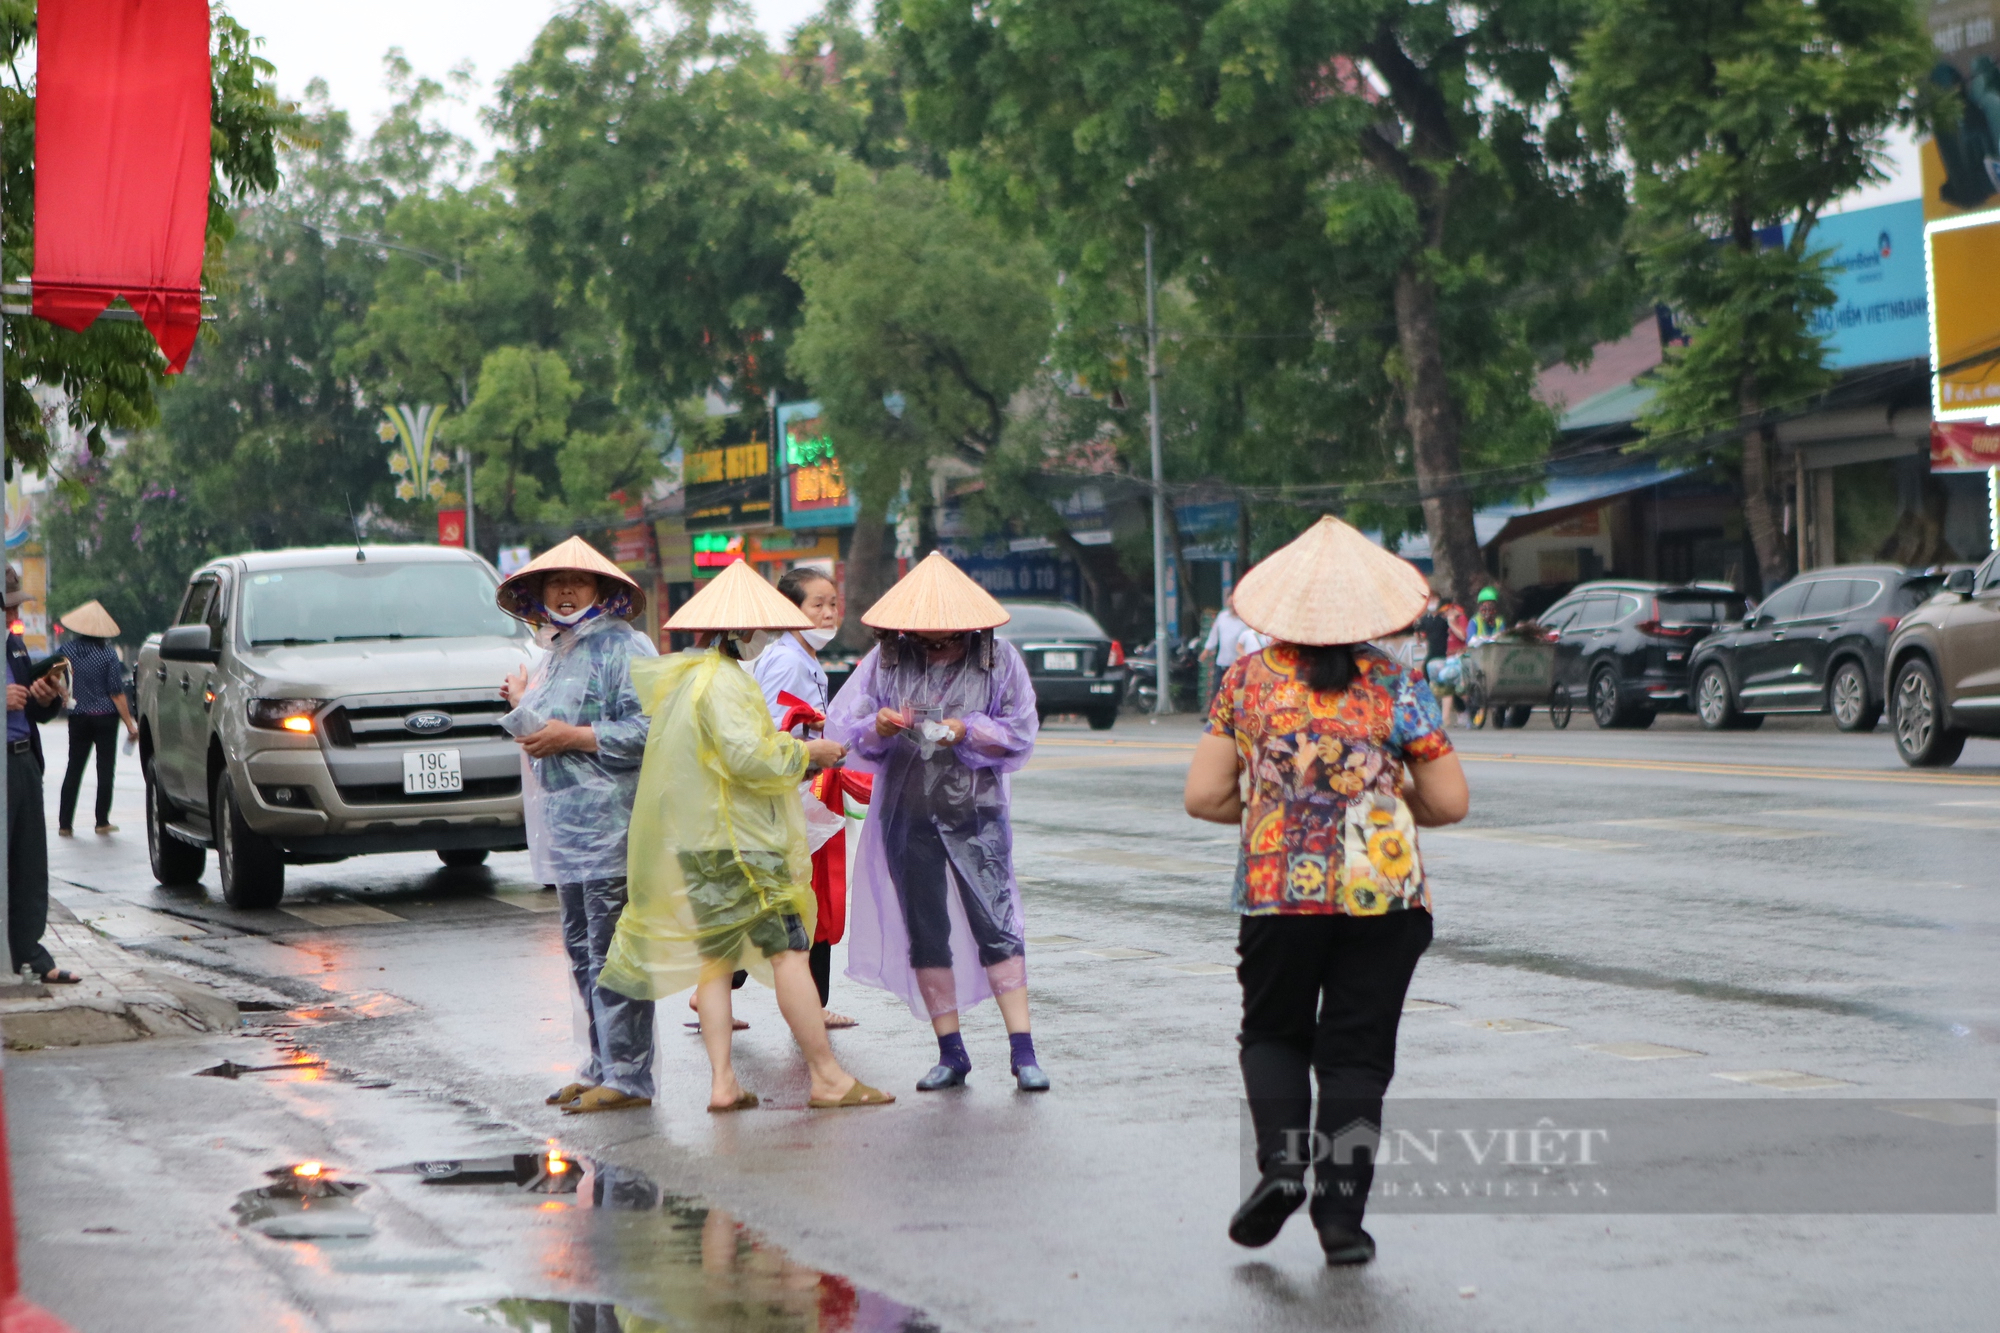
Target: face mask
(818, 638)
(574, 617)
(749, 645)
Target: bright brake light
(293, 715)
(1117, 657)
(1657, 630)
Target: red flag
(122, 163)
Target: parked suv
(312, 705)
(1622, 646)
(1818, 644)
(1075, 666)
(1944, 668)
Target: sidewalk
(119, 998)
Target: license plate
(1058, 661)
(429, 771)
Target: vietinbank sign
(1881, 311)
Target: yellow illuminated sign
(1962, 268)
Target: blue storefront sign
(1880, 310)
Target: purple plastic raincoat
(939, 806)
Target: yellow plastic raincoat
(719, 874)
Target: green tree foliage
(921, 322)
(658, 168)
(108, 374)
(1740, 115)
(911, 295)
(1388, 205)
(532, 467)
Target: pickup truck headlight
(294, 715)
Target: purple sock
(1024, 1048)
(951, 1051)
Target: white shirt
(1224, 637)
(786, 666)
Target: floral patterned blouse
(1325, 831)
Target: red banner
(451, 527)
(122, 163)
(1964, 446)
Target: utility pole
(1165, 702)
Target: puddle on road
(607, 1250)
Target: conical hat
(934, 598)
(1331, 585)
(91, 618)
(739, 598)
(519, 594)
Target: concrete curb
(119, 999)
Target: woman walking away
(1327, 754)
(941, 712)
(103, 700)
(582, 734)
(794, 686)
(721, 879)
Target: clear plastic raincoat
(719, 875)
(577, 805)
(943, 809)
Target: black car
(1818, 644)
(1622, 646)
(1075, 665)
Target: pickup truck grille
(349, 726)
(391, 793)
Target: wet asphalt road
(1790, 904)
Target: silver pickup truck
(311, 705)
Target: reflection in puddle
(303, 1202)
(602, 1250)
(665, 1262)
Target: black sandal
(58, 977)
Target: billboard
(1961, 165)
(727, 486)
(1962, 255)
(1880, 309)
(813, 492)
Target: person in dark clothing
(102, 700)
(32, 698)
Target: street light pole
(1164, 703)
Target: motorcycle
(1183, 674)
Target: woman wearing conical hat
(721, 876)
(582, 733)
(102, 696)
(941, 712)
(1327, 754)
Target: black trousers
(922, 884)
(27, 865)
(87, 730)
(1323, 995)
(820, 959)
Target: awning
(1561, 490)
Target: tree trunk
(869, 574)
(1760, 515)
(1427, 414)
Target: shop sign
(1962, 266)
(715, 552)
(728, 486)
(814, 490)
(1964, 446)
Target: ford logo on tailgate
(430, 722)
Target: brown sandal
(835, 1022)
(858, 1095)
(747, 1102)
(566, 1094)
(605, 1099)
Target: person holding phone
(941, 712)
(102, 700)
